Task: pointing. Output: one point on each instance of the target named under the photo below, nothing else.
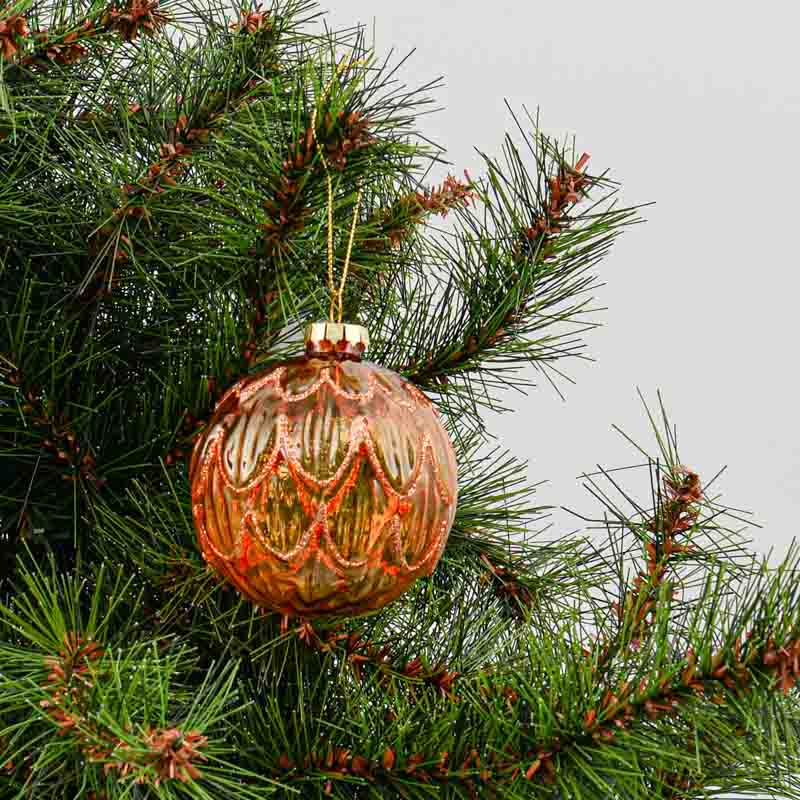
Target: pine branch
(705, 713)
(490, 292)
(75, 687)
(685, 533)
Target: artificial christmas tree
(182, 190)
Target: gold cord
(330, 240)
(347, 256)
(336, 294)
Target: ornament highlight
(324, 485)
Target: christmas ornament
(324, 484)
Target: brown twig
(59, 438)
(675, 516)
(396, 223)
(508, 586)
(565, 189)
(286, 209)
(12, 28)
(130, 20)
(730, 670)
(171, 753)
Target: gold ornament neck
(336, 340)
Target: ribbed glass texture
(323, 486)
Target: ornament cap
(336, 340)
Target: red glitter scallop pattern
(323, 487)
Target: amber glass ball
(323, 485)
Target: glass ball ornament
(324, 484)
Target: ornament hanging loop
(336, 293)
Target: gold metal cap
(336, 339)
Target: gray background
(693, 106)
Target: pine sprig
(515, 267)
(75, 680)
